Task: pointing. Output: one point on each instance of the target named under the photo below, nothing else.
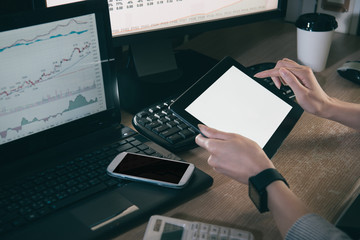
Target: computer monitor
(132, 19)
(149, 26)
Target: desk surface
(319, 159)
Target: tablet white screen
(236, 103)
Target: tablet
(228, 99)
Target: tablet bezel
(183, 101)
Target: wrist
(329, 108)
(274, 190)
(260, 167)
(275, 187)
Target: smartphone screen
(152, 168)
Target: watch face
(254, 195)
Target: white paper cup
(314, 37)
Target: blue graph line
(45, 39)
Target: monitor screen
(149, 28)
(57, 77)
(55, 85)
(140, 16)
(131, 17)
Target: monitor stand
(155, 61)
(144, 81)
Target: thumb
(213, 133)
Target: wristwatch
(258, 184)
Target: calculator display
(172, 232)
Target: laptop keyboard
(160, 125)
(55, 188)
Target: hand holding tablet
(228, 99)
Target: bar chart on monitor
(50, 75)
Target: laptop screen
(51, 76)
(57, 76)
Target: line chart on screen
(51, 75)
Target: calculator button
(236, 234)
(194, 235)
(203, 236)
(195, 226)
(224, 233)
(214, 230)
(204, 227)
(213, 237)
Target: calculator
(167, 228)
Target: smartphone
(155, 170)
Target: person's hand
(304, 84)
(233, 155)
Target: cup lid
(317, 22)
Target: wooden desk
(319, 159)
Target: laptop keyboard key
(124, 147)
(142, 147)
(149, 151)
(19, 222)
(133, 150)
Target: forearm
(285, 207)
(345, 113)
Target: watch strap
(258, 184)
(266, 177)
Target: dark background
(9, 6)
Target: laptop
(60, 126)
